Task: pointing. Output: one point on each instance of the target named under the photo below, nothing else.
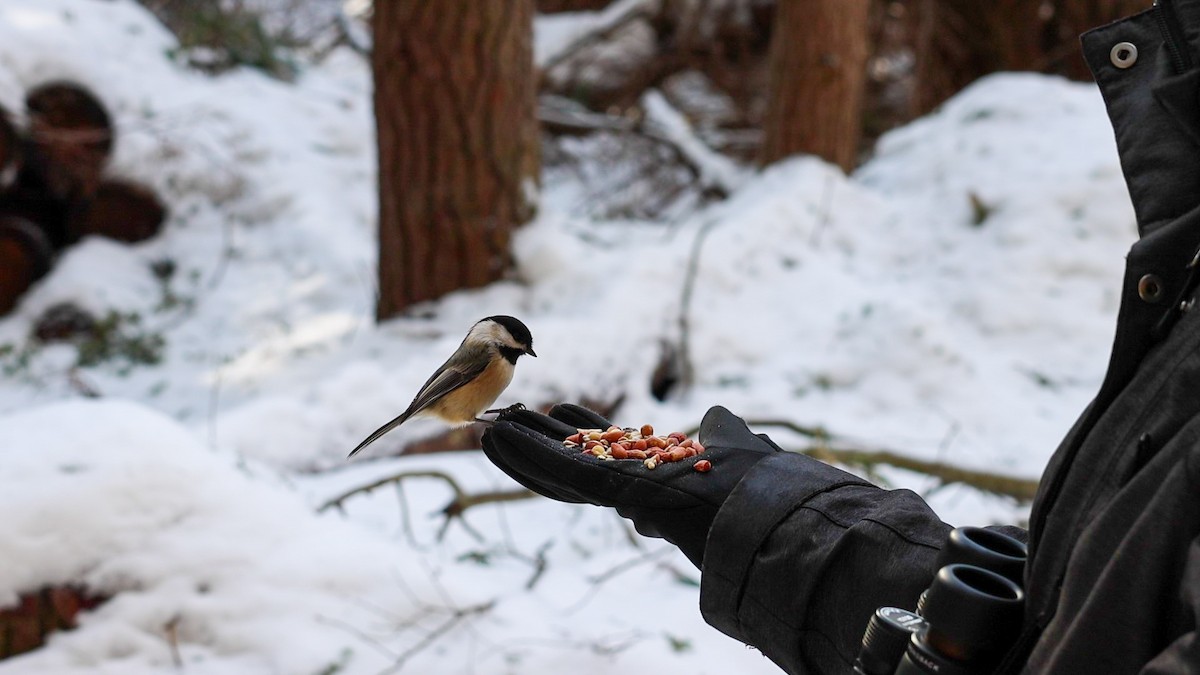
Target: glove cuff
(774, 488)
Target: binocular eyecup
(965, 621)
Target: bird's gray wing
(452, 375)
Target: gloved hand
(673, 501)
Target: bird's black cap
(515, 328)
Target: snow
(870, 304)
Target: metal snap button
(1150, 288)
(1123, 54)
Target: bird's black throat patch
(510, 354)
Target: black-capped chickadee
(471, 379)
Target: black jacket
(801, 553)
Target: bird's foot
(512, 408)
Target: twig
(432, 636)
(171, 628)
(539, 565)
(686, 370)
(358, 633)
(596, 581)
(405, 520)
(81, 385)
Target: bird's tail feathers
(378, 433)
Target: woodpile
(53, 186)
(25, 626)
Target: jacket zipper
(1172, 34)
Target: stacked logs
(53, 190)
(25, 626)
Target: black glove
(673, 501)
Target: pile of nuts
(640, 444)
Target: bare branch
(337, 502)
(453, 510)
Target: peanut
(640, 444)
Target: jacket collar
(1148, 71)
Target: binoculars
(964, 622)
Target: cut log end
(119, 210)
(71, 138)
(24, 627)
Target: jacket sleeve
(1182, 655)
(801, 554)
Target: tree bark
(1071, 19)
(458, 143)
(958, 41)
(816, 80)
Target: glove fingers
(538, 462)
(578, 417)
(721, 428)
(501, 450)
(542, 424)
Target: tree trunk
(958, 41)
(458, 142)
(816, 80)
(1075, 17)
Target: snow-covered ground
(872, 305)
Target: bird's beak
(529, 351)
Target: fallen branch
(608, 22)
(560, 115)
(1021, 489)
(455, 509)
(717, 175)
